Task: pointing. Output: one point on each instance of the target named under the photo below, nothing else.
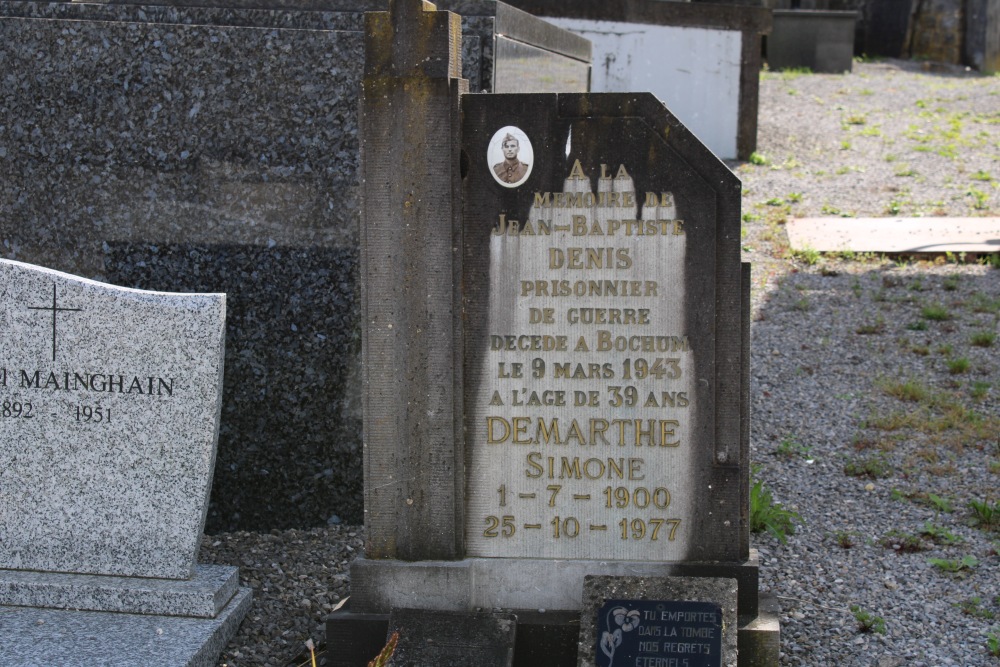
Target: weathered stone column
(410, 279)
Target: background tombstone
(703, 61)
(110, 411)
(589, 297)
(162, 158)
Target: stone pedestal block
(822, 41)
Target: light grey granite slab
(33, 637)
(110, 411)
(204, 595)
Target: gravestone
(702, 60)
(110, 409)
(556, 347)
(140, 146)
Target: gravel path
(857, 368)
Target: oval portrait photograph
(510, 156)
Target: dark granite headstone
(140, 146)
(452, 638)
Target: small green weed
(984, 338)
(981, 176)
(750, 217)
(950, 284)
(871, 328)
(768, 515)
(981, 303)
(868, 622)
(993, 644)
(940, 503)
(958, 366)
(874, 467)
(974, 607)
(844, 539)
(905, 171)
(758, 159)
(981, 199)
(791, 73)
(955, 565)
(856, 119)
(935, 312)
(985, 515)
(807, 255)
(788, 448)
(979, 390)
(907, 390)
(903, 543)
(940, 535)
(919, 325)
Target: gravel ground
(866, 419)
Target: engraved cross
(55, 310)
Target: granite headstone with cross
(109, 404)
(555, 347)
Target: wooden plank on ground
(895, 235)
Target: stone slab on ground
(452, 638)
(34, 637)
(204, 596)
(905, 235)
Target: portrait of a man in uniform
(510, 156)
(511, 170)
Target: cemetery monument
(555, 367)
(110, 412)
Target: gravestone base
(377, 586)
(759, 641)
(544, 638)
(545, 595)
(80, 620)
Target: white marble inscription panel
(580, 443)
